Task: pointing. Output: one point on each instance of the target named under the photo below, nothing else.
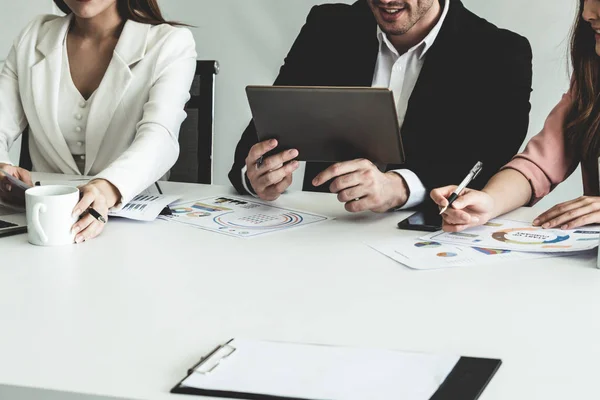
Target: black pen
(472, 175)
(96, 215)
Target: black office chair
(196, 134)
(195, 137)
(24, 157)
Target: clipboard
(466, 377)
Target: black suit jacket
(470, 103)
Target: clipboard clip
(214, 359)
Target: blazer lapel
(130, 49)
(436, 71)
(45, 79)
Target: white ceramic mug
(49, 214)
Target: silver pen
(472, 175)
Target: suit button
(78, 117)
(78, 129)
(79, 144)
(82, 157)
(82, 104)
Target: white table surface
(126, 314)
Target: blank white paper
(325, 372)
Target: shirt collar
(425, 44)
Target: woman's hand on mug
(100, 195)
(471, 208)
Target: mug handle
(37, 209)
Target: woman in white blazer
(102, 92)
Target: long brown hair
(144, 11)
(583, 121)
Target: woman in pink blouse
(571, 135)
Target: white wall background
(250, 40)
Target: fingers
(278, 160)
(340, 169)
(84, 203)
(587, 219)
(259, 150)
(273, 192)
(440, 195)
(352, 193)
(274, 177)
(459, 217)
(89, 227)
(585, 212)
(24, 176)
(344, 182)
(467, 199)
(454, 228)
(560, 209)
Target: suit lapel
(130, 49)
(435, 74)
(45, 79)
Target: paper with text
(427, 254)
(506, 234)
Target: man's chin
(393, 30)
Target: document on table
(239, 217)
(255, 369)
(144, 207)
(504, 234)
(427, 254)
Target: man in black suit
(461, 86)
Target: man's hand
(363, 187)
(272, 176)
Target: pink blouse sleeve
(545, 162)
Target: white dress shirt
(399, 73)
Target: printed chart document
(145, 207)
(255, 369)
(504, 234)
(426, 254)
(239, 217)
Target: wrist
(400, 190)
(108, 190)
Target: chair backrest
(24, 157)
(195, 137)
(197, 131)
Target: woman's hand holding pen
(97, 197)
(471, 208)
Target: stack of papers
(498, 240)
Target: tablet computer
(329, 124)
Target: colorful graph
(530, 236)
(491, 252)
(446, 255)
(427, 245)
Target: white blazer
(134, 120)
